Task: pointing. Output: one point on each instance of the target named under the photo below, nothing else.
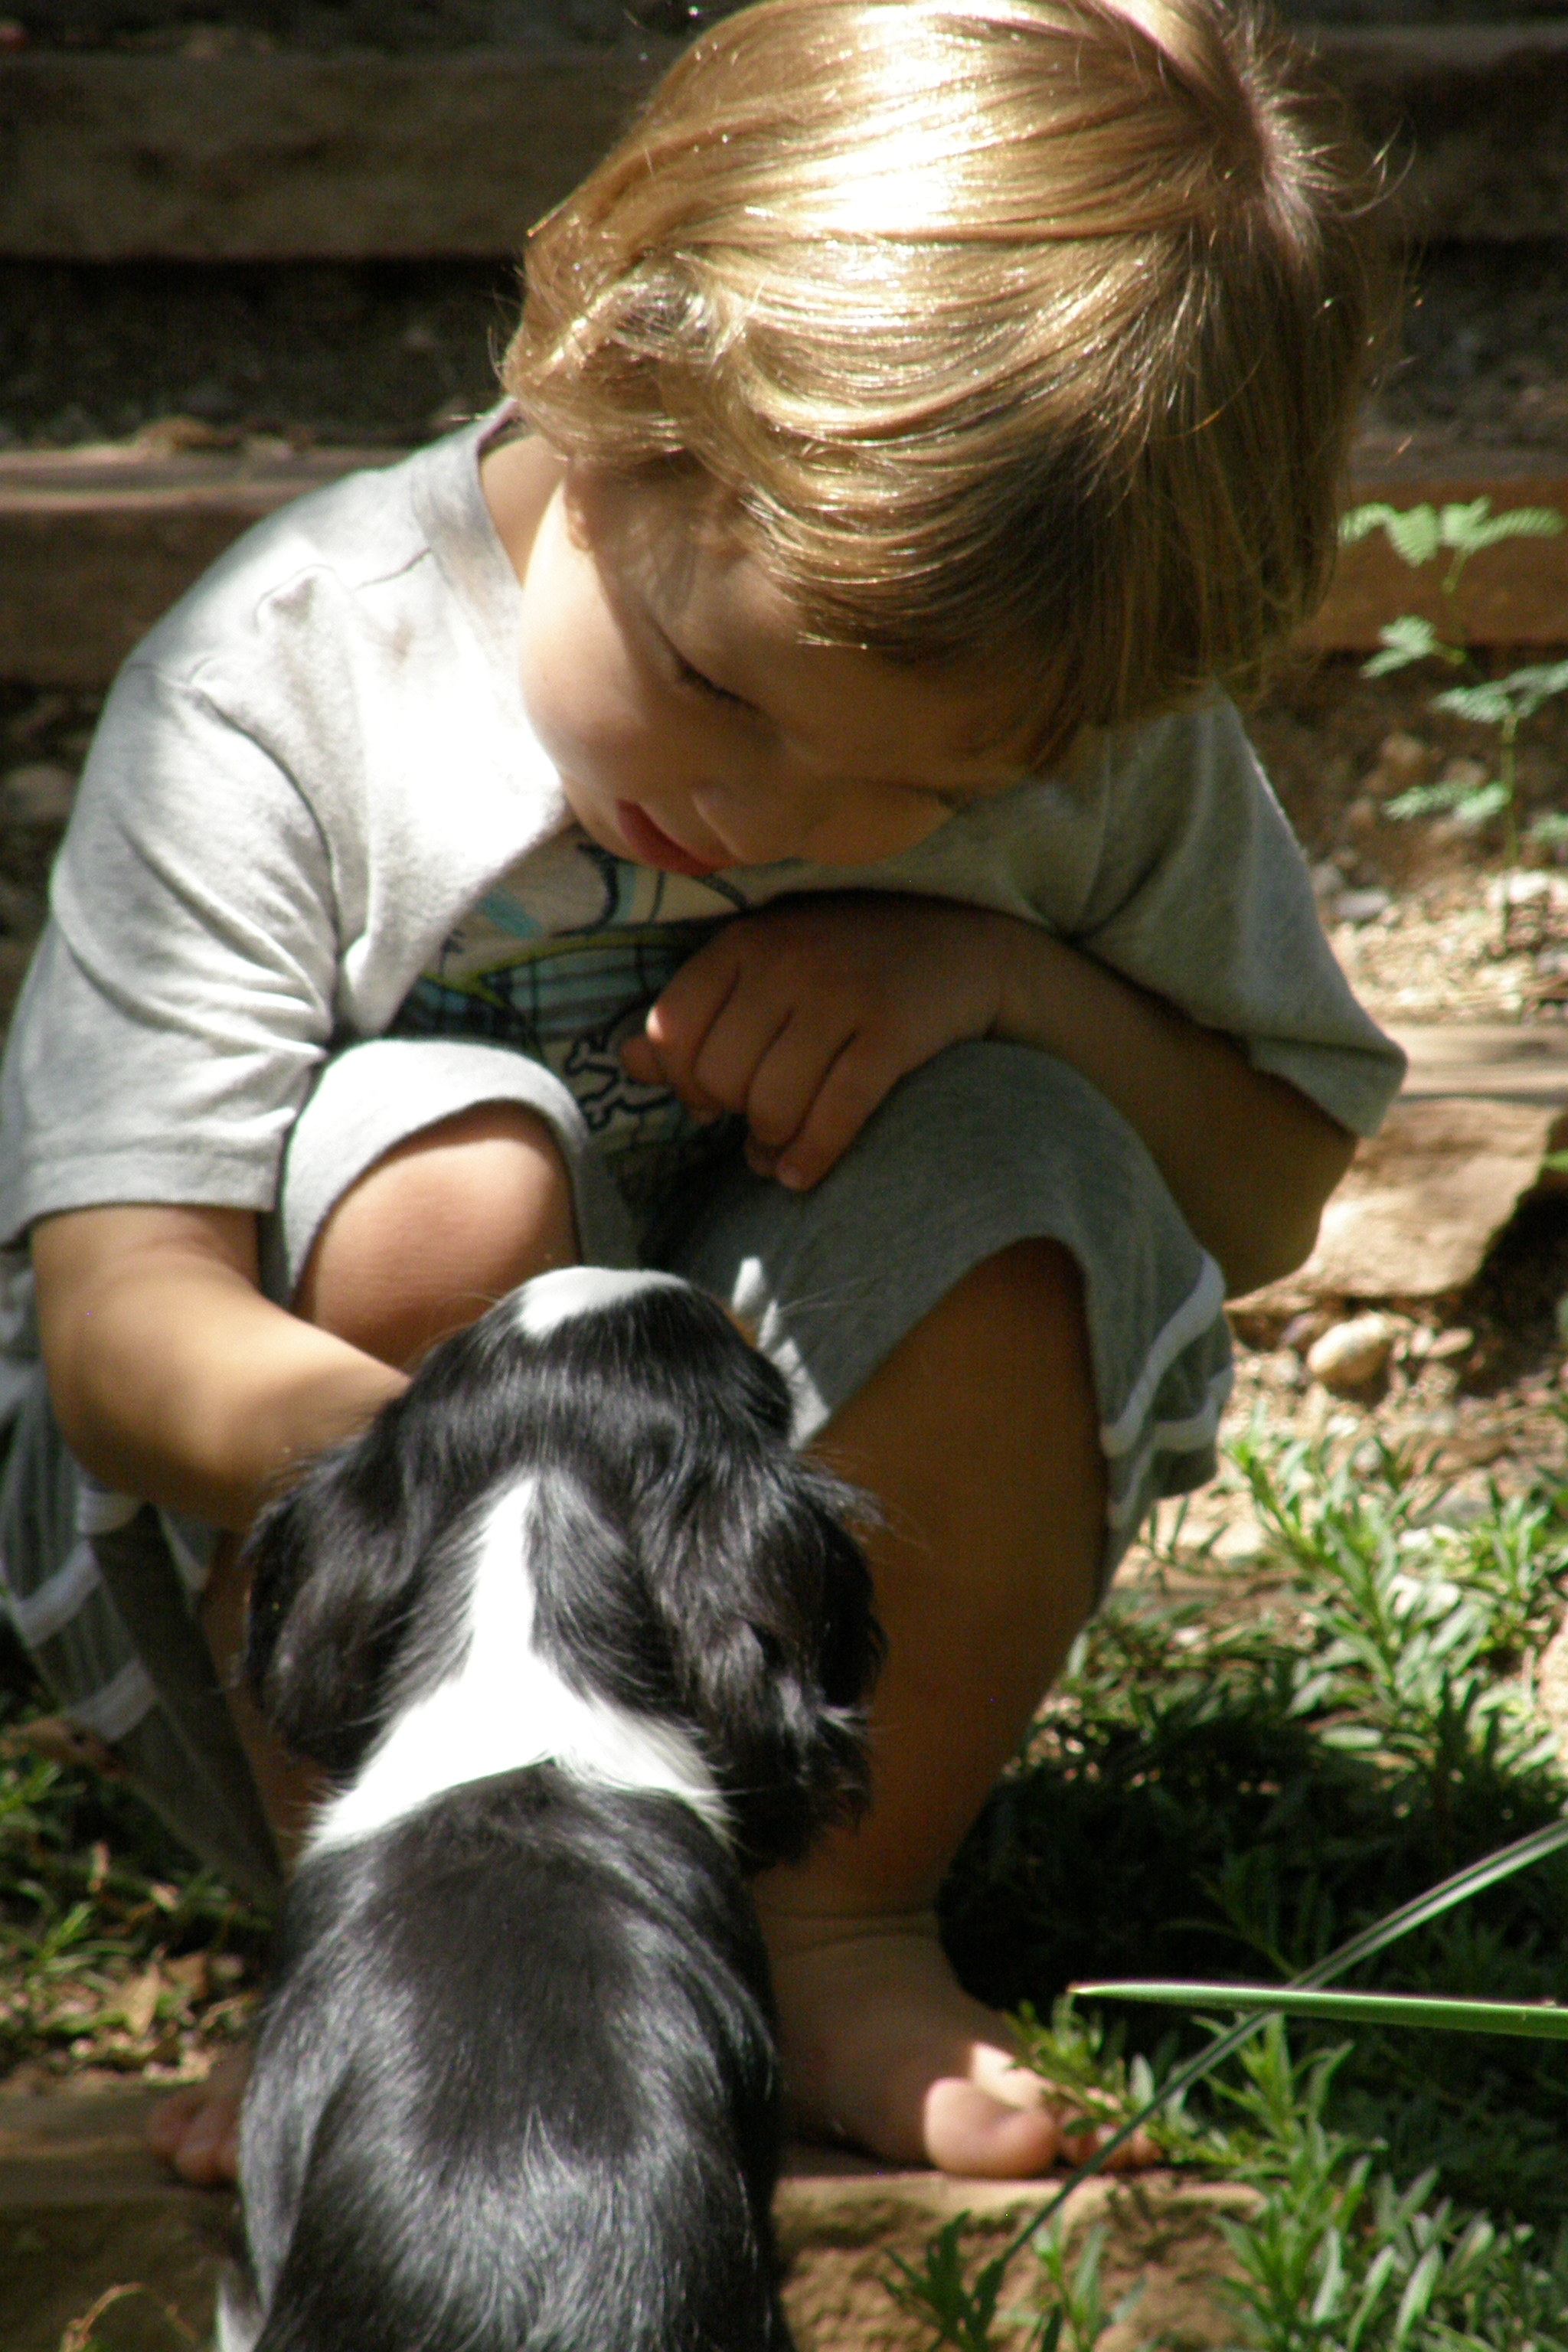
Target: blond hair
(1030, 326)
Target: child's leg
(979, 1437)
(936, 1303)
(445, 1223)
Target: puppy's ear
(776, 1646)
(337, 1564)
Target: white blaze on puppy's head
(552, 1299)
(507, 1707)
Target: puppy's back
(516, 2088)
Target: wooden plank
(288, 156)
(1487, 1062)
(95, 543)
(294, 155)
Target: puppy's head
(686, 1564)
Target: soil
(403, 26)
(389, 353)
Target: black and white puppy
(581, 1640)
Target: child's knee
(449, 1221)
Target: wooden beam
(95, 543)
(295, 155)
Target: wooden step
(1487, 1062)
(83, 2208)
(96, 542)
(233, 154)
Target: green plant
(1214, 1785)
(1339, 2258)
(965, 2313)
(1424, 534)
(113, 1945)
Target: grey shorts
(987, 1145)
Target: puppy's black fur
(515, 2090)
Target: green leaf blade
(1530, 2020)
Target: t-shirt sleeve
(1202, 896)
(183, 993)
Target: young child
(760, 802)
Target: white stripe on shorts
(1201, 1306)
(118, 1706)
(1172, 1437)
(37, 1616)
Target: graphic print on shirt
(561, 961)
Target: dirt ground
(386, 353)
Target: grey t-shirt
(315, 792)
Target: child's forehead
(682, 540)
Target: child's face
(694, 729)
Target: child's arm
(804, 1015)
(173, 1378)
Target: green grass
(1229, 1785)
(115, 1950)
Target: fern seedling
(1425, 534)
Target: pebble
(1518, 889)
(1469, 775)
(1358, 906)
(39, 793)
(1239, 1544)
(1351, 1354)
(1403, 760)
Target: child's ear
(334, 1563)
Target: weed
(1424, 534)
(1216, 1785)
(112, 1947)
(1339, 2258)
(81, 2335)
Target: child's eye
(690, 675)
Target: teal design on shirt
(571, 997)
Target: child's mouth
(651, 845)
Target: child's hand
(804, 1016)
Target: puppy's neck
(506, 1706)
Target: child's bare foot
(197, 2131)
(883, 2049)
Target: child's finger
(677, 1025)
(738, 1041)
(851, 1090)
(788, 1074)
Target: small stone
(1358, 906)
(1402, 762)
(1350, 1355)
(1302, 1329)
(1446, 1345)
(39, 793)
(1466, 775)
(1362, 816)
(1239, 1544)
(1327, 880)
